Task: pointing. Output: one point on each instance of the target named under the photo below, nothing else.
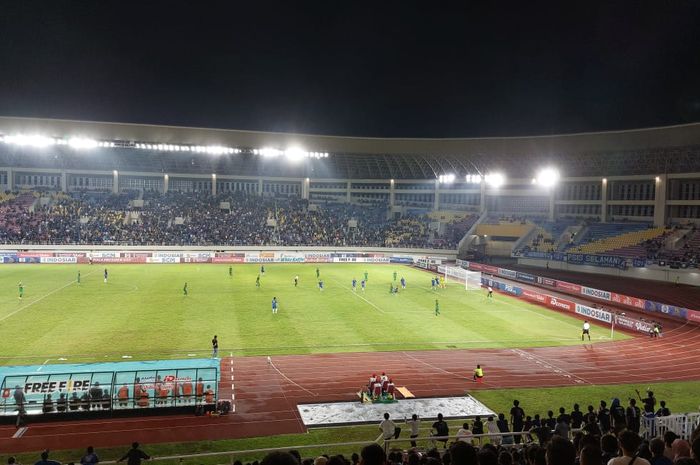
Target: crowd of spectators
(200, 219)
(619, 446)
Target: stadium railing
(682, 424)
(233, 454)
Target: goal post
(470, 279)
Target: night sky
(353, 68)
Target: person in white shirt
(492, 428)
(586, 330)
(464, 434)
(414, 423)
(629, 444)
(387, 427)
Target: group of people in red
(380, 386)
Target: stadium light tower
(547, 177)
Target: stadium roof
(669, 149)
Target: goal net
(470, 279)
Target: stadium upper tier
(161, 149)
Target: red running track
(266, 395)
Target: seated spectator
(372, 454)
(279, 458)
(609, 446)
(45, 459)
(629, 443)
(680, 448)
(464, 434)
(48, 404)
(657, 451)
(561, 452)
(591, 455)
(90, 457)
(462, 453)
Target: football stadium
(321, 262)
(323, 233)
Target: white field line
(285, 377)
(42, 298)
(358, 295)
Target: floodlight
(82, 143)
(446, 178)
(548, 177)
(295, 154)
(495, 179)
(268, 152)
(33, 141)
(473, 178)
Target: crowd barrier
(644, 306)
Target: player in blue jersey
(320, 285)
(403, 283)
(362, 285)
(354, 284)
(274, 305)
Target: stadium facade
(650, 175)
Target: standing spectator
(629, 445)
(45, 459)
(576, 417)
(657, 451)
(562, 428)
(604, 417)
(503, 428)
(663, 410)
(493, 428)
(633, 416)
(19, 397)
(478, 428)
(134, 455)
(563, 416)
(617, 415)
(414, 424)
(441, 429)
(90, 457)
(517, 414)
(590, 416)
(550, 422)
(388, 428)
(591, 427)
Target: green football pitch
(142, 313)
